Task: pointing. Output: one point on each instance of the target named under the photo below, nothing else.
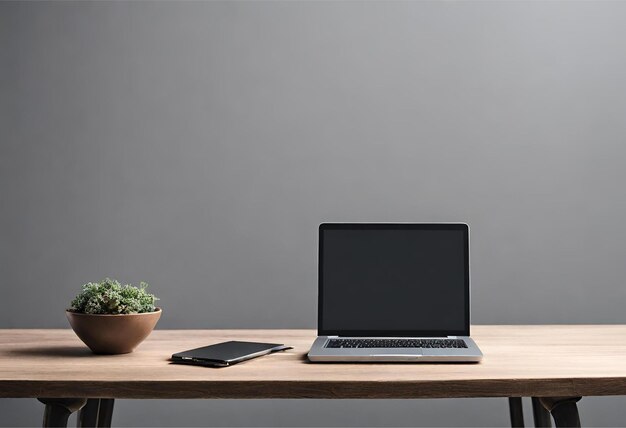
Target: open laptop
(394, 292)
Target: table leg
(516, 412)
(98, 413)
(563, 409)
(106, 412)
(58, 410)
(541, 416)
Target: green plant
(110, 297)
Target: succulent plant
(110, 297)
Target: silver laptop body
(394, 292)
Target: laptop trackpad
(407, 352)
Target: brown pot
(113, 334)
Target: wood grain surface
(555, 360)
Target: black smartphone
(226, 353)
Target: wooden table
(558, 364)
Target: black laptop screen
(394, 279)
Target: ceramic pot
(113, 334)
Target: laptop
(394, 292)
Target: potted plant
(111, 318)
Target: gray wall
(197, 145)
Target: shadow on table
(53, 351)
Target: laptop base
(320, 353)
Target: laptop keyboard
(396, 343)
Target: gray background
(197, 145)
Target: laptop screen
(394, 279)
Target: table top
(539, 360)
